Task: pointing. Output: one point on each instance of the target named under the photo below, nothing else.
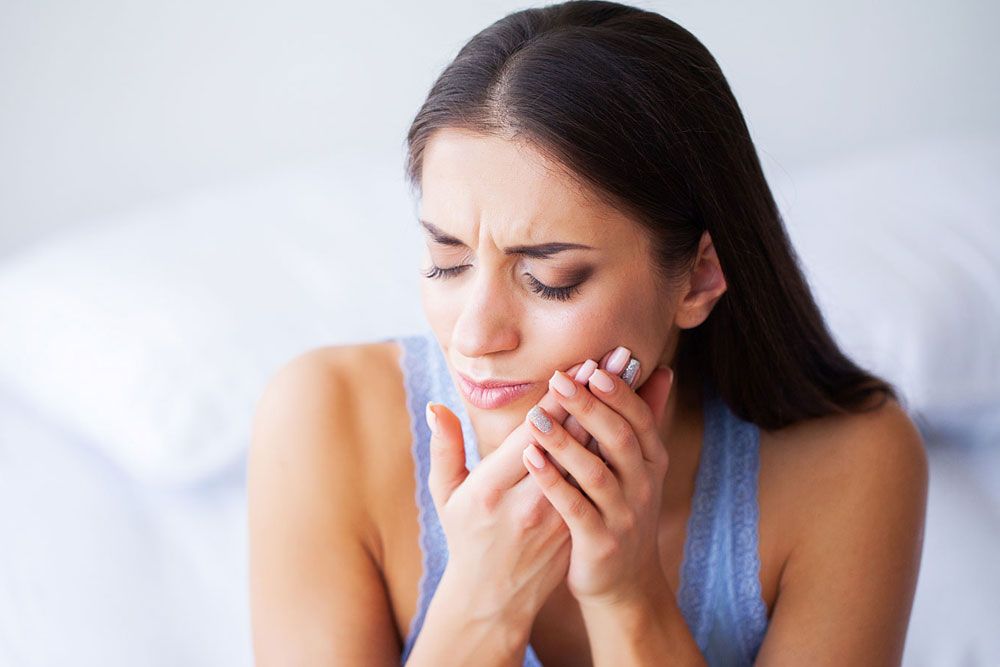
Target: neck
(681, 431)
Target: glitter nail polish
(541, 420)
(631, 371)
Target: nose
(487, 322)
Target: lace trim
(746, 557)
(413, 361)
(730, 454)
(700, 554)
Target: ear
(705, 285)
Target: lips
(492, 394)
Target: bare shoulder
(821, 459)
(853, 490)
(345, 381)
(317, 592)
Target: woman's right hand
(508, 549)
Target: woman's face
(544, 277)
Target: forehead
(512, 188)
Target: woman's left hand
(613, 528)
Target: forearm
(454, 634)
(652, 631)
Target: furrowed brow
(539, 251)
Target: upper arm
(316, 593)
(847, 589)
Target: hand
(508, 550)
(613, 522)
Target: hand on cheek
(613, 513)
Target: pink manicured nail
(563, 384)
(602, 380)
(535, 456)
(617, 360)
(583, 374)
(431, 418)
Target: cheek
(588, 329)
(437, 310)
(636, 318)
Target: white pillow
(154, 336)
(902, 249)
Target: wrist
(640, 630)
(506, 629)
(632, 619)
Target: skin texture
(481, 198)
(335, 559)
(491, 193)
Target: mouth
(492, 394)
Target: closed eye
(538, 287)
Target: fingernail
(431, 418)
(562, 384)
(534, 456)
(602, 380)
(583, 374)
(618, 359)
(537, 416)
(631, 371)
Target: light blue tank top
(720, 591)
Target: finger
(615, 361)
(593, 475)
(574, 427)
(580, 374)
(575, 508)
(447, 453)
(617, 440)
(503, 467)
(637, 409)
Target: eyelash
(554, 293)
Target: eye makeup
(563, 293)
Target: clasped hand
(613, 513)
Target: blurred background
(192, 193)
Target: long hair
(639, 112)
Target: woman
(727, 487)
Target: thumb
(447, 449)
(656, 390)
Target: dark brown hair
(639, 113)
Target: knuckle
(624, 436)
(578, 506)
(531, 517)
(560, 440)
(608, 551)
(627, 520)
(486, 498)
(552, 481)
(587, 405)
(598, 475)
(643, 493)
(645, 420)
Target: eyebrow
(539, 251)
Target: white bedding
(96, 570)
